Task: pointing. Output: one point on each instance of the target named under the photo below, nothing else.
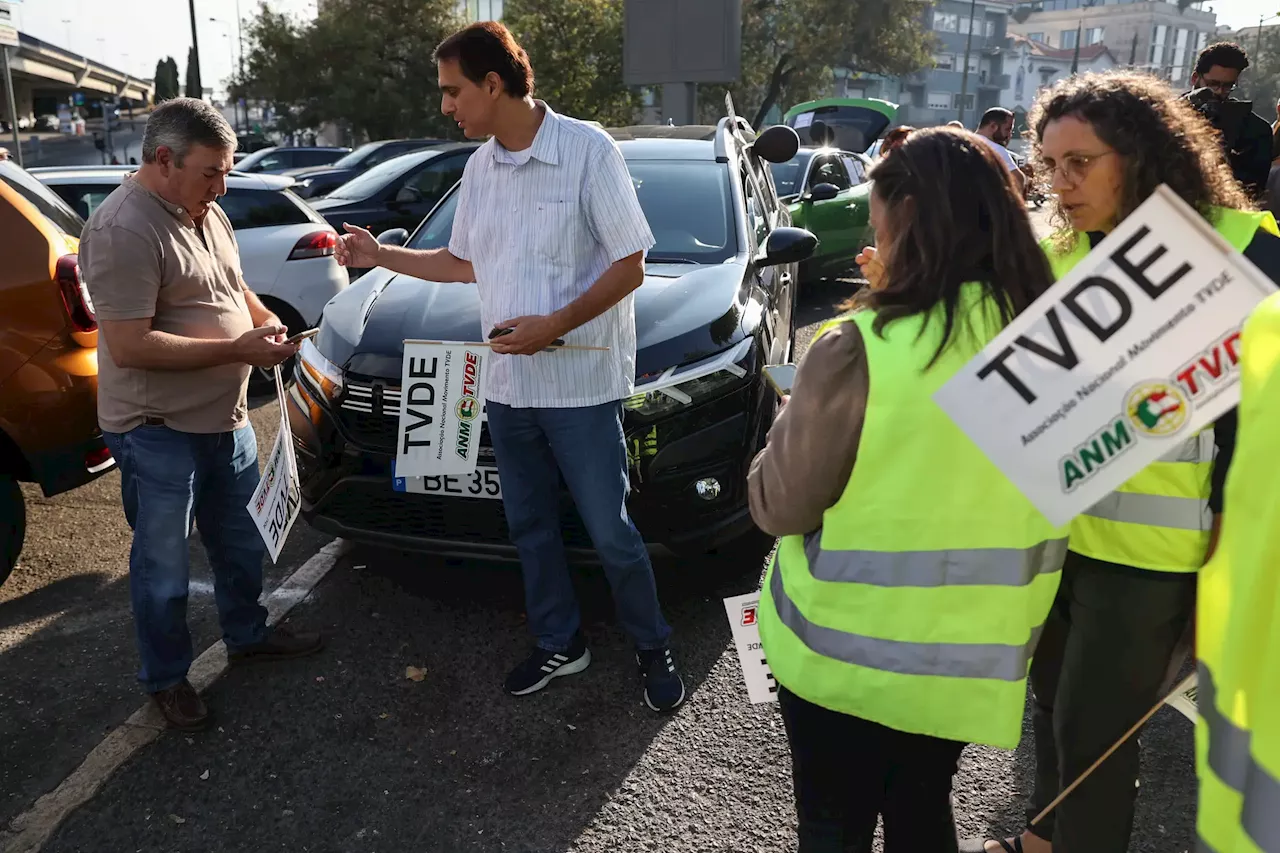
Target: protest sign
(1184, 696)
(743, 611)
(1119, 364)
(275, 503)
(442, 396)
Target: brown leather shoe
(280, 644)
(182, 707)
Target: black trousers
(848, 771)
(1098, 668)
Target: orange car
(48, 355)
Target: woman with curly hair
(1106, 141)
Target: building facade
(1151, 35)
(1031, 66)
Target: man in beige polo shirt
(180, 331)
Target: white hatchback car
(286, 248)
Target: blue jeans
(168, 480)
(587, 447)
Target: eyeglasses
(1074, 167)
(1219, 86)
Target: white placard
(1183, 698)
(1119, 362)
(275, 503)
(8, 33)
(743, 612)
(803, 120)
(441, 399)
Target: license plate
(480, 483)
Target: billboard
(681, 41)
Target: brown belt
(152, 421)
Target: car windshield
(44, 199)
(355, 158)
(688, 204)
(249, 164)
(788, 176)
(372, 182)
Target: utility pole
(195, 45)
(13, 104)
(1075, 57)
(240, 37)
(968, 46)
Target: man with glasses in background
(1246, 136)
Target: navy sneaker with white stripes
(540, 667)
(663, 687)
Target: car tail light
(317, 244)
(75, 295)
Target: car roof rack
(732, 131)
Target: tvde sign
(1122, 362)
(441, 402)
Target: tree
(1261, 80)
(194, 87)
(363, 64)
(166, 79)
(790, 47)
(575, 47)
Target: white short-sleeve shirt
(540, 227)
(1001, 152)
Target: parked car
(825, 185)
(281, 158)
(320, 181)
(286, 248)
(717, 304)
(48, 356)
(251, 142)
(398, 193)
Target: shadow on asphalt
(342, 751)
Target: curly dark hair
(957, 218)
(1160, 138)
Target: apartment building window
(1202, 41)
(1068, 39)
(946, 22)
(1179, 62)
(1036, 37)
(1158, 36)
(939, 100)
(968, 101)
(944, 61)
(485, 10)
(1094, 35)
(973, 63)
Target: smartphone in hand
(302, 336)
(780, 377)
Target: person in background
(1246, 137)
(956, 123)
(1106, 141)
(996, 127)
(875, 602)
(550, 414)
(1238, 621)
(180, 330)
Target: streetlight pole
(195, 46)
(240, 38)
(231, 57)
(968, 45)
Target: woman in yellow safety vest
(912, 579)
(1128, 586)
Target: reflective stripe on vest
(1230, 758)
(1158, 520)
(972, 567)
(954, 660)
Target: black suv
(319, 181)
(717, 304)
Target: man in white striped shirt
(548, 226)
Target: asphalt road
(342, 752)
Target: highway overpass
(45, 74)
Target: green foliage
(576, 50)
(1261, 80)
(363, 64)
(167, 85)
(790, 47)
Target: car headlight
(687, 384)
(321, 375)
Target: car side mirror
(777, 144)
(788, 246)
(394, 237)
(408, 195)
(822, 192)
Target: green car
(825, 185)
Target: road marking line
(29, 831)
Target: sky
(133, 35)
